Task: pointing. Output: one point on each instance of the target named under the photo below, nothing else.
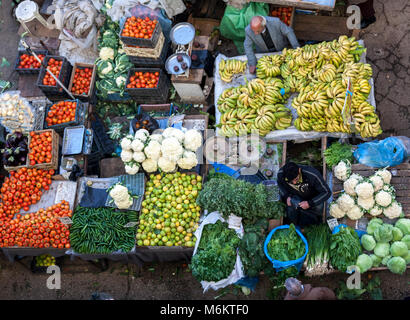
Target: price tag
(332, 223)
(130, 224)
(66, 220)
(234, 222)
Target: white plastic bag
(237, 272)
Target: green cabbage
(376, 260)
(398, 249)
(382, 249)
(404, 225)
(368, 242)
(397, 234)
(384, 233)
(397, 265)
(373, 225)
(406, 240)
(407, 257)
(386, 259)
(364, 262)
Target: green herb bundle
(318, 237)
(102, 231)
(344, 248)
(240, 198)
(337, 152)
(216, 254)
(286, 245)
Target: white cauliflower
(107, 53)
(365, 203)
(188, 160)
(156, 137)
(350, 184)
(355, 213)
(120, 81)
(126, 143)
(335, 211)
(153, 150)
(345, 202)
(376, 211)
(377, 181)
(383, 198)
(131, 168)
(138, 156)
(389, 188)
(166, 165)
(126, 155)
(121, 197)
(393, 211)
(192, 140)
(385, 174)
(137, 145)
(174, 133)
(150, 165)
(171, 149)
(141, 134)
(364, 189)
(343, 170)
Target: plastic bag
(389, 152)
(237, 272)
(151, 126)
(235, 21)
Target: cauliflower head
(131, 168)
(335, 211)
(166, 165)
(142, 135)
(171, 149)
(383, 198)
(343, 170)
(350, 184)
(156, 137)
(126, 143)
(355, 213)
(137, 145)
(345, 202)
(126, 155)
(364, 189)
(376, 211)
(174, 133)
(107, 53)
(150, 165)
(385, 174)
(120, 81)
(121, 197)
(365, 203)
(377, 181)
(153, 150)
(192, 140)
(393, 211)
(138, 156)
(188, 160)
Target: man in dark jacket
(304, 191)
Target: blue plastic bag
(282, 265)
(389, 152)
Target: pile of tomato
(61, 112)
(55, 67)
(82, 81)
(22, 189)
(283, 13)
(139, 28)
(41, 146)
(29, 62)
(144, 80)
(42, 229)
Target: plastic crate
(64, 76)
(151, 62)
(60, 127)
(53, 165)
(89, 95)
(28, 71)
(141, 42)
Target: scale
(182, 36)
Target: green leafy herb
(318, 237)
(337, 152)
(344, 248)
(286, 245)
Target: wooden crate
(205, 27)
(53, 165)
(292, 17)
(92, 82)
(400, 181)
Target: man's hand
(288, 201)
(304, 205)
(252, 69)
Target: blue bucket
(282, 265)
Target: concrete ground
(388, 43)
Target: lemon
(146, 243)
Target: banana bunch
(227, 68)
(272, 117)
(327, 73)
(269, 66)
(366, 120)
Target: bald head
(258, 23)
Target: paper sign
(130, 224)
(332, 223)
(65, 220)
(234, 222)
